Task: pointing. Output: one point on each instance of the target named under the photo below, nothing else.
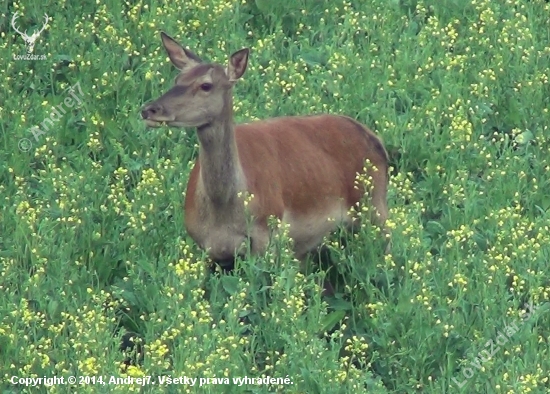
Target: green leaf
(230, 284)
(433, 227)
(339, 304)
(53, 308)
(484, 110)
(330, 320)
(264, 6)
(62, 58)
(315, 58)
(525, 137)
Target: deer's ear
(237, 64)
(179, 56)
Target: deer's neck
(220, 168)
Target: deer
(29, 40)
(299, 169)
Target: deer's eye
(206, 86)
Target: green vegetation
(93, 250)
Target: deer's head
(201, 92)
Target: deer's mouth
(155, 116)
(154, 123)
(161, 122)
(157, 123)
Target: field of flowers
(100, 282)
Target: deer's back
(306, 161)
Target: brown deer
(300, 169)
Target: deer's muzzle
(154, 116)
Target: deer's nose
(150, 110)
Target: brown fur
(300, 169)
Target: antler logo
(29, 40)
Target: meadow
(98, 277)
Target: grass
(99, 278)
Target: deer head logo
(29, 40)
